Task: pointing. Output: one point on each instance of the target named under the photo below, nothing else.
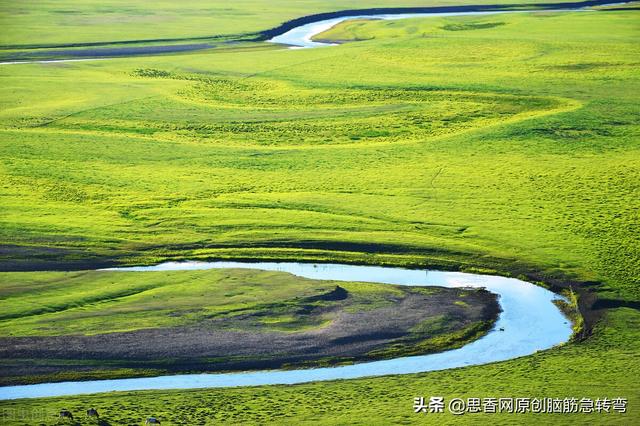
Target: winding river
(529, 322)
(302, 36)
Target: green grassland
(50, 22)
(504, 143)
(62, 303)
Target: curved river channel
(302, 36)
(529, 322)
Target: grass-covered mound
(62, 326)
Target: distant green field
(504, 143)
(67, 21)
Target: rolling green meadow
(504, 144)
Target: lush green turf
(59, 303)
(67, 21)
(507, 142)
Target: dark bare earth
(336, 332)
